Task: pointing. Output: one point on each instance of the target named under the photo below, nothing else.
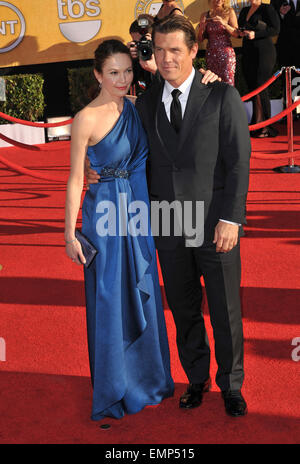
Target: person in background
(143, 75)
(217, 25)
(147, 69)
(288, 42)
(168, 8)
(258, 23)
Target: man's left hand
(226, 236)
(208, 76)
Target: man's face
(173, 57)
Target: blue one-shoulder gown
(127, 338)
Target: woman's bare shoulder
(131, 98)
(87, 115)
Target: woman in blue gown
(127, 338)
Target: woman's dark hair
(176, 23)
(107, 49)
(104, 51)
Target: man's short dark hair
(176, 23)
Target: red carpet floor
(44, 373)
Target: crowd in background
(270, 34)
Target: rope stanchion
(290, 106)
(35, 124)
(263, 86)
(291, 168)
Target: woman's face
(116, 76)
(217, 3)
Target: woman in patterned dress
(217, 25)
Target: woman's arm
(177, 11)
(271, 18)
(79, 142)
(202, 26)
(231, 25)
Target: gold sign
(46, 31)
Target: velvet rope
(267, 156)
(262, 87)
(28, 172)
(275, 118)
(35, 124)
(19, 144)
(41, 147)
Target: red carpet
(44, 381)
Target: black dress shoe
(235, 405)
(192, 398)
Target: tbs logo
(83, 30)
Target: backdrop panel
(47, 31)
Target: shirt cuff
(230, 222)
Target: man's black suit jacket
(208, 161)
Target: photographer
(144, 66)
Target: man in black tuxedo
(199, 152)
(288, 43)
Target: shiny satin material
(127, 338)
(220, 56)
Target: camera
(144, 46)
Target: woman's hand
(249, 34)
(208, 76)
(74, 251)
(220, 20)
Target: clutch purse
(88, 249)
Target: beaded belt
(111, 172)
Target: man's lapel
(158, 129)
(198, 94)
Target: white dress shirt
(184, 88)
(167, 98)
